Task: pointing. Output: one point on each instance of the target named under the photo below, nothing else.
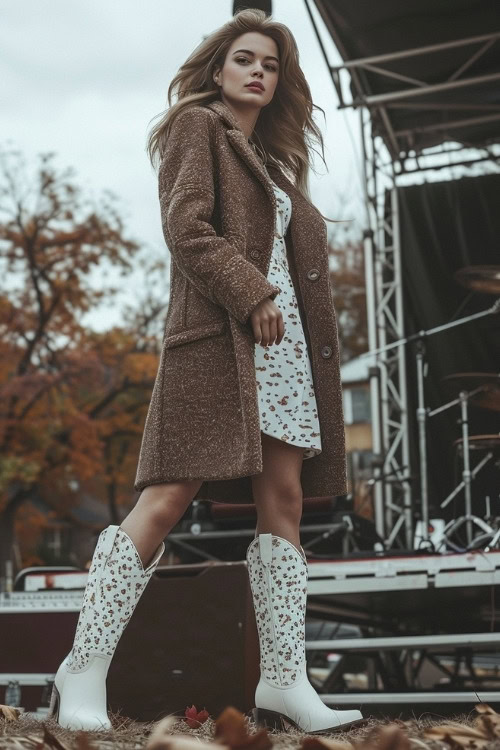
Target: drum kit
(472, 389)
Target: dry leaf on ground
(488, 720)
(459, 734)
(319, 743)
(195, 718)
(83, 742)
(486, 728)
(389, 737)
(162, 739)
(51, 741)
(9, 713)
(231, 729)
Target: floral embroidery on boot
(279, 593)
(115, 583)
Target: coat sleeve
(186, 184)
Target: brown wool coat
(218, 213)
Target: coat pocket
(194, 334)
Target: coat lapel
(301, 210)
(239, 142)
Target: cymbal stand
(491, 538)
(469, 519)
(423, 414)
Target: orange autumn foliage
(72, 400)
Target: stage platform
(428, 624)
(428, 628)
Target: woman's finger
(273, 331)
(281, 330)
(264, 326)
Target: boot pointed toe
(278, 579)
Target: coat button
(326, 352)
(313, 274)
(255, 254)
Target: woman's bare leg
(156, 512)
(277, 495)
(277, 492)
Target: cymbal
(482, 278)
(488, 398)
(480, 443)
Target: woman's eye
(244, 59)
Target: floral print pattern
(115, 584)
(279, 591)
(287, 402)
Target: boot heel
(270, 719)
(55, 700)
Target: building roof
(356, 370)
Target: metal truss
(390, 156)
(388, 395)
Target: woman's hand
(267, 323)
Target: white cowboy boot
(115, 584)
(278, 578)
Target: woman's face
(252, 57)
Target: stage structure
(426, 83)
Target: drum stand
(469, 519)
(491, 537)
(423, 413)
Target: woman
(247, 402)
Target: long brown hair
(285, 129)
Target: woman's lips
(253, 87)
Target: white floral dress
(287, 402)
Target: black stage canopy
(444, 83)
(446, 226)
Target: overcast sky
(86, 79)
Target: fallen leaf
(459, 735)
(161, 738)
(82, 741)
(490, 725)
(231, 729)
(195, 718)
(9, 713)
(318, 742)
(484, 708)
(51, 741)
(388, 737)
(488, 720)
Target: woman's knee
(284, 499)
(169, 500)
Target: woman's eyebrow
(249, 52)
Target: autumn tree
(72, 400)
(347, 271)
(349, 296)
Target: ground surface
(478, 732)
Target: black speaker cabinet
(191, 640)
